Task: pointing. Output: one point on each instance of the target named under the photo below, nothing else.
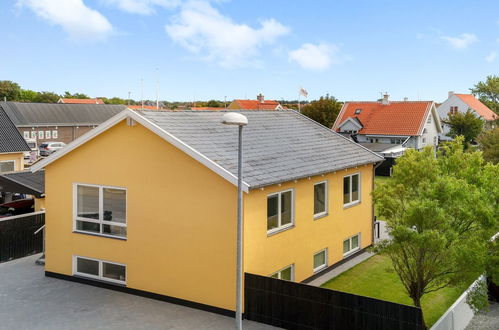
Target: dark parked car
(20, 206)
(48, 148)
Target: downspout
(372, 206)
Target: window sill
(319, 269)
(347, 206)
(99, 235)
(320, 216)
(349, 253)
(99, 280)
(280, 230)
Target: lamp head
(234, 118)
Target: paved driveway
(29, 300)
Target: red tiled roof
(255, 104)
(478, 106)
(81, 101)
(396, 118)
(147, 107)
(207, 108)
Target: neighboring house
(25, 182)
(259, 104)
(147, 201)
(461, 103)
(388, 127)
(145, 107)
(80, 101)
(12, 145)
(57, 122)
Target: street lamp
(233, 118)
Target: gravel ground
(486, 321)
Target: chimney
(384, 100)
(451, 93)
(260, 98)
(406, 99)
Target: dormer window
(357, 111)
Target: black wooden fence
(17, 238)
(299, 306)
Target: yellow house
(146, 202)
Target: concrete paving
(486, 321)
(29, 300)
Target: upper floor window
(54, 134)
(351, 189)
(40, 134)
(357, 111)
(286, 273)
(47, 134)
(26, 134)
(33, 134)
(7, 166)
(425, 131)
(100, 210)
(429, 119)
(320, 199)
(453, 110)
(280, 214)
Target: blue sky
(210, 49)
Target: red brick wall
(65, 134)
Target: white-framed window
(351, 189)
(357, 111)
(7, 166)
(99, 269)
(429, 119)
(287, 273)
(26, 134)
(47, 134)
(99, 210)
(33, 135)
(424, 140)
(54, 134)
(351, 244)
(40, 134)
(280, 211)
(425, 131)
(320, 260)
(320, 199)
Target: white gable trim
(151, 126)
(432, 111)
(340, 116)
(351, 120)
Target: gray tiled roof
(278, 145)
(10, 138)
(24, 182)
(55, 114)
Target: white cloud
(491, 57)
(462, 41)
(143, 7)
(204, 31)
(315, 57)
(78, 20)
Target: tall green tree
(46, 97)
(465, 124)
(489, 144)
(27, 95)
(9, 90)
(68, 95)
(324, 111)
(488, 92)
(213, 104)
(441, 212)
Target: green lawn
(376, 278)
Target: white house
(461, 103)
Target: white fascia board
(151, 126)
(338, 118)
(351, 120)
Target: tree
(68, 95)
(9, 90)
(114, 100)
(441, 212)
(489, 144)
(213, 104)
(324, 111)
(27, 95)
(465, 124)
(46, 97)
(488, 92)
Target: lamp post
(233, 118)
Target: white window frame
(100, 221)
(289, 225)
(351, 203)
(41, 135)
(292, 266)
(350, 251)
(47, 135)
(326, 200)
(34, 135)
(101, 270)
(323, 266)
(26, 135)
(54, 134)
(13, 161)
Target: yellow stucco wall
(181, 218)
(181, 233)
(265, 255)
(18, 157)
(39, 204)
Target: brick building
(57, 122)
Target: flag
(303, 92)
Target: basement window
(280, 211)
(100, 210)
(287, 273)
(320, 260)
(99, 269)
(351, 244)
